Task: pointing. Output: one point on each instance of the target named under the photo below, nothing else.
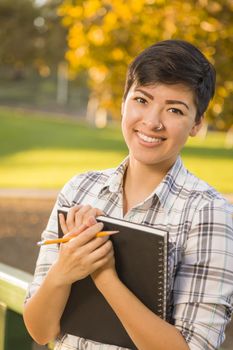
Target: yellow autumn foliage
(104, 36)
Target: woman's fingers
(84, 253)
(76, 231)
(63, 224)
(103, 261)
(101, 252)
(79, 215)
(87, 235)
(70, 220)
(90, 216)
(96, 258)
(66, 229)
(89, 245)
(95, 243)
(86, 215)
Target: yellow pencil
(67, 239)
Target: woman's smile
(149, 140)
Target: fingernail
(101, 224)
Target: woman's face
(144, 109)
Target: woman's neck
(139, 182)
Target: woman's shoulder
(92, 175)
(203, 194)
(90, 181)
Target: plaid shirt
(199, 221)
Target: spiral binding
(162, 279)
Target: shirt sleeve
(49, 253)
(203, 286)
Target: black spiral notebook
(141, 256)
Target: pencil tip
(39, 243)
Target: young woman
(168, 88)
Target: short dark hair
(174, 62)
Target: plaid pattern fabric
(199, 221)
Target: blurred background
(62, 73)
(65, 56)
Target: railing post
(2, 325)
(13, 286)
(16, 335)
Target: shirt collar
(115, 181)
(170, 187)
(167, 191)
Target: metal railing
(13, 286)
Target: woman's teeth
(149, 139)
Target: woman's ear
(196, 127)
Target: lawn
(40, 151)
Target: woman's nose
(152, 118)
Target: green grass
(44, 152)
(37, 151)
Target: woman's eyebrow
(170, 102)
(176, 102)
(145, 93)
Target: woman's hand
(79, 217)
(85, 252)
(104, 274)
(82, 255)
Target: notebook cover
(141, 263)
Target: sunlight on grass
(212, 163)
(41, 151)
(213, 140)
(52, 168)
(217, 174)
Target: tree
(104, 36)
(17, 32)
(30, 35)
(52, 34)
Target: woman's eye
(140, 100)
(176, 111)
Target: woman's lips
(149, 139)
